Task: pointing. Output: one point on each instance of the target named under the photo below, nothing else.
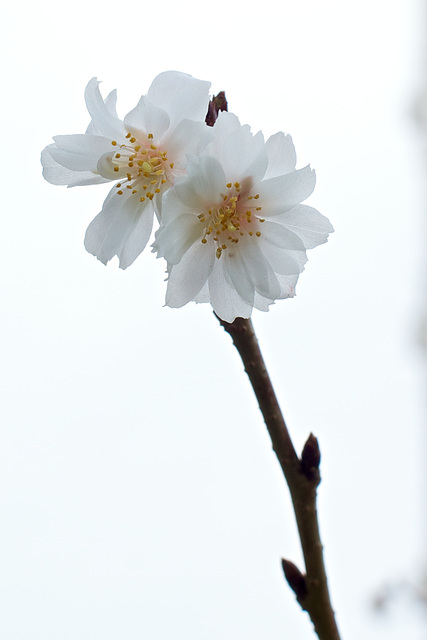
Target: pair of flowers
(231, 224)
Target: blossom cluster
(231, 225)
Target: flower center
(140, 165)
(235, 218)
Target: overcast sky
(132, 506)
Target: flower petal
(281, 155)
(283, 249)
(240, 153)
(287, 286)
(57, 174)
(203, 295)
(79, 152)
(175, 239)
(311, 226)
(200, 190)
(188, 277)
(122, 228)
(110, 102)
(106, 123)
(281, 236)
(189, 137)
(285, 262)
(259, 269)
(239, 275)
(147, 118)
(180, 95)
(226, 301)
(282, 193)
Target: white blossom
(234, 231)
(143, 155)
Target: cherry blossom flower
(234, 231)
(143, 155)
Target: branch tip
(217, 104)
(295, 579)
(310, 459)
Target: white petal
(239, 275)
(203, 295)
(122, 228)
(103, 120)
(147, 118)
(158, 200)
(180, 95)
(189, 276)
(175, 239)
(140, 224)
(79, 152)
(281, 236)
(281, 155)
(59, 175)
(286, 262)
(262, 303)
(189, 137)
(287, 290)
(287, 286)
(110, 102)
(225, 124)
(202, 189)
(225, 300)
(259, 269)
(280, 194)
(240, 153)
(311, 226)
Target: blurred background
(139, 496)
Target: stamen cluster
(142, 164)
(233, 219)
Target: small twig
(302, 476)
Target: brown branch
(302, 476)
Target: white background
(139, 497)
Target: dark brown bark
(302, 476)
